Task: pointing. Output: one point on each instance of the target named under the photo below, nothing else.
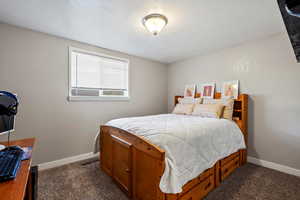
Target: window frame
(96, 98)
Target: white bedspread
(192, 144)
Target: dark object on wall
(293, 7)
(290, 11)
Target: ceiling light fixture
(154, 23)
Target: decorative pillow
(228, 103)
(185, 109)
(208, 110)
(190, 100)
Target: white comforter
(192, 144)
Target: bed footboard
(134, 164)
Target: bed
(138, 166)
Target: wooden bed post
(243, 124)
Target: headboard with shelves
(240, 111)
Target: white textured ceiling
(195, 26)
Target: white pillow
(185, 109)
(208, 110)
(190, 100)
(228, 103)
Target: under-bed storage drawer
(229, 167)
(200, 190)
(229, 158)
(189, 185)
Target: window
(95, 76)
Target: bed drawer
(201, 190)
(229, 158)
(189, 185)
(229, 167)
(208, 185)
(206, 173)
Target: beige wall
(35, 66)
(268, 72)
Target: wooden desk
(16, 189)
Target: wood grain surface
(15, 189)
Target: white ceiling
(195, 26)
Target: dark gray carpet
(87, 182)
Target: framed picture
(230, 89)
(189, 91)
(208, 90)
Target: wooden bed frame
(136, 165)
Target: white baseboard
(263, 163)
(68, 160)
(275, 166)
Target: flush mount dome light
(154, 23)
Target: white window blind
(95, 75)
(113, 74)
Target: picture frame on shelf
(189, 91)
(208, 90)
(230, 89)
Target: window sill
(103, 98)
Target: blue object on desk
(27, 153)
(10, 161)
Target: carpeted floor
(85, 181)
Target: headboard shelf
(238, 105)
